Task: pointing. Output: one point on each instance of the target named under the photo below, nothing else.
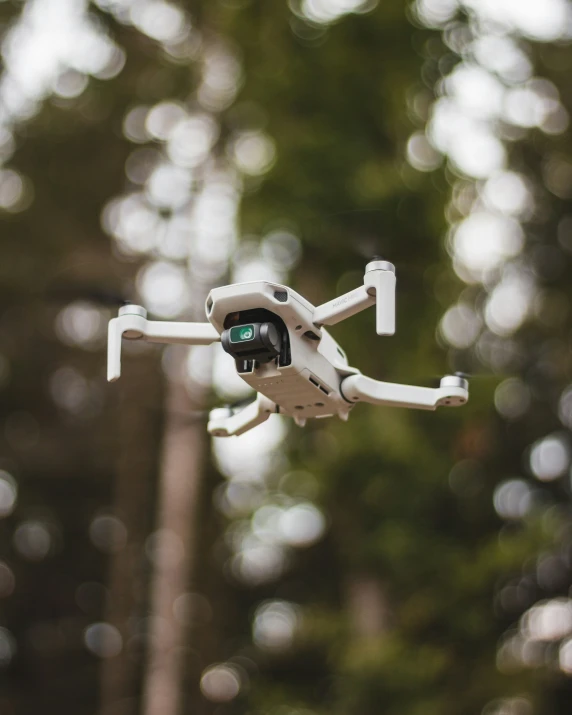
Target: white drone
(282, 351)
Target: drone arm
(225, 423)
(343, 307)
(134, 325)
(378, 289)
(452, 392)
(181, 333)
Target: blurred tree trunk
(367, 606)
(137, 432)
(182, 470)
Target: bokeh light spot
(301, 525)
(103, 640)
(7, 647)
(108, 533)
(220, 683)
(460, 326)
(8, 494)
(512, 398)
(33, 540)
(421, 154)
(512, 499)
(253, 153)
(164, 288)
(275, 625)
(549, 458)
(7, 580)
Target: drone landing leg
(223, 422)
(453, 392)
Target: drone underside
(283, 352)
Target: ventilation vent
(320, 387)
(311, 336)
(281, 296)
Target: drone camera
(252, 341)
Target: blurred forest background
(403, 563)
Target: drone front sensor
(282, 350)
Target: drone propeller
(477, 375)
(106, 297)
(465, 375)
(182, 419)
(244, 402)
(434, 379)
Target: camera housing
(252, 341)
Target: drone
(282, 350)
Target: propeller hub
(379, 265)
(131, 309)
(454, 381)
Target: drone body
(303, 378)
(283, 352)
